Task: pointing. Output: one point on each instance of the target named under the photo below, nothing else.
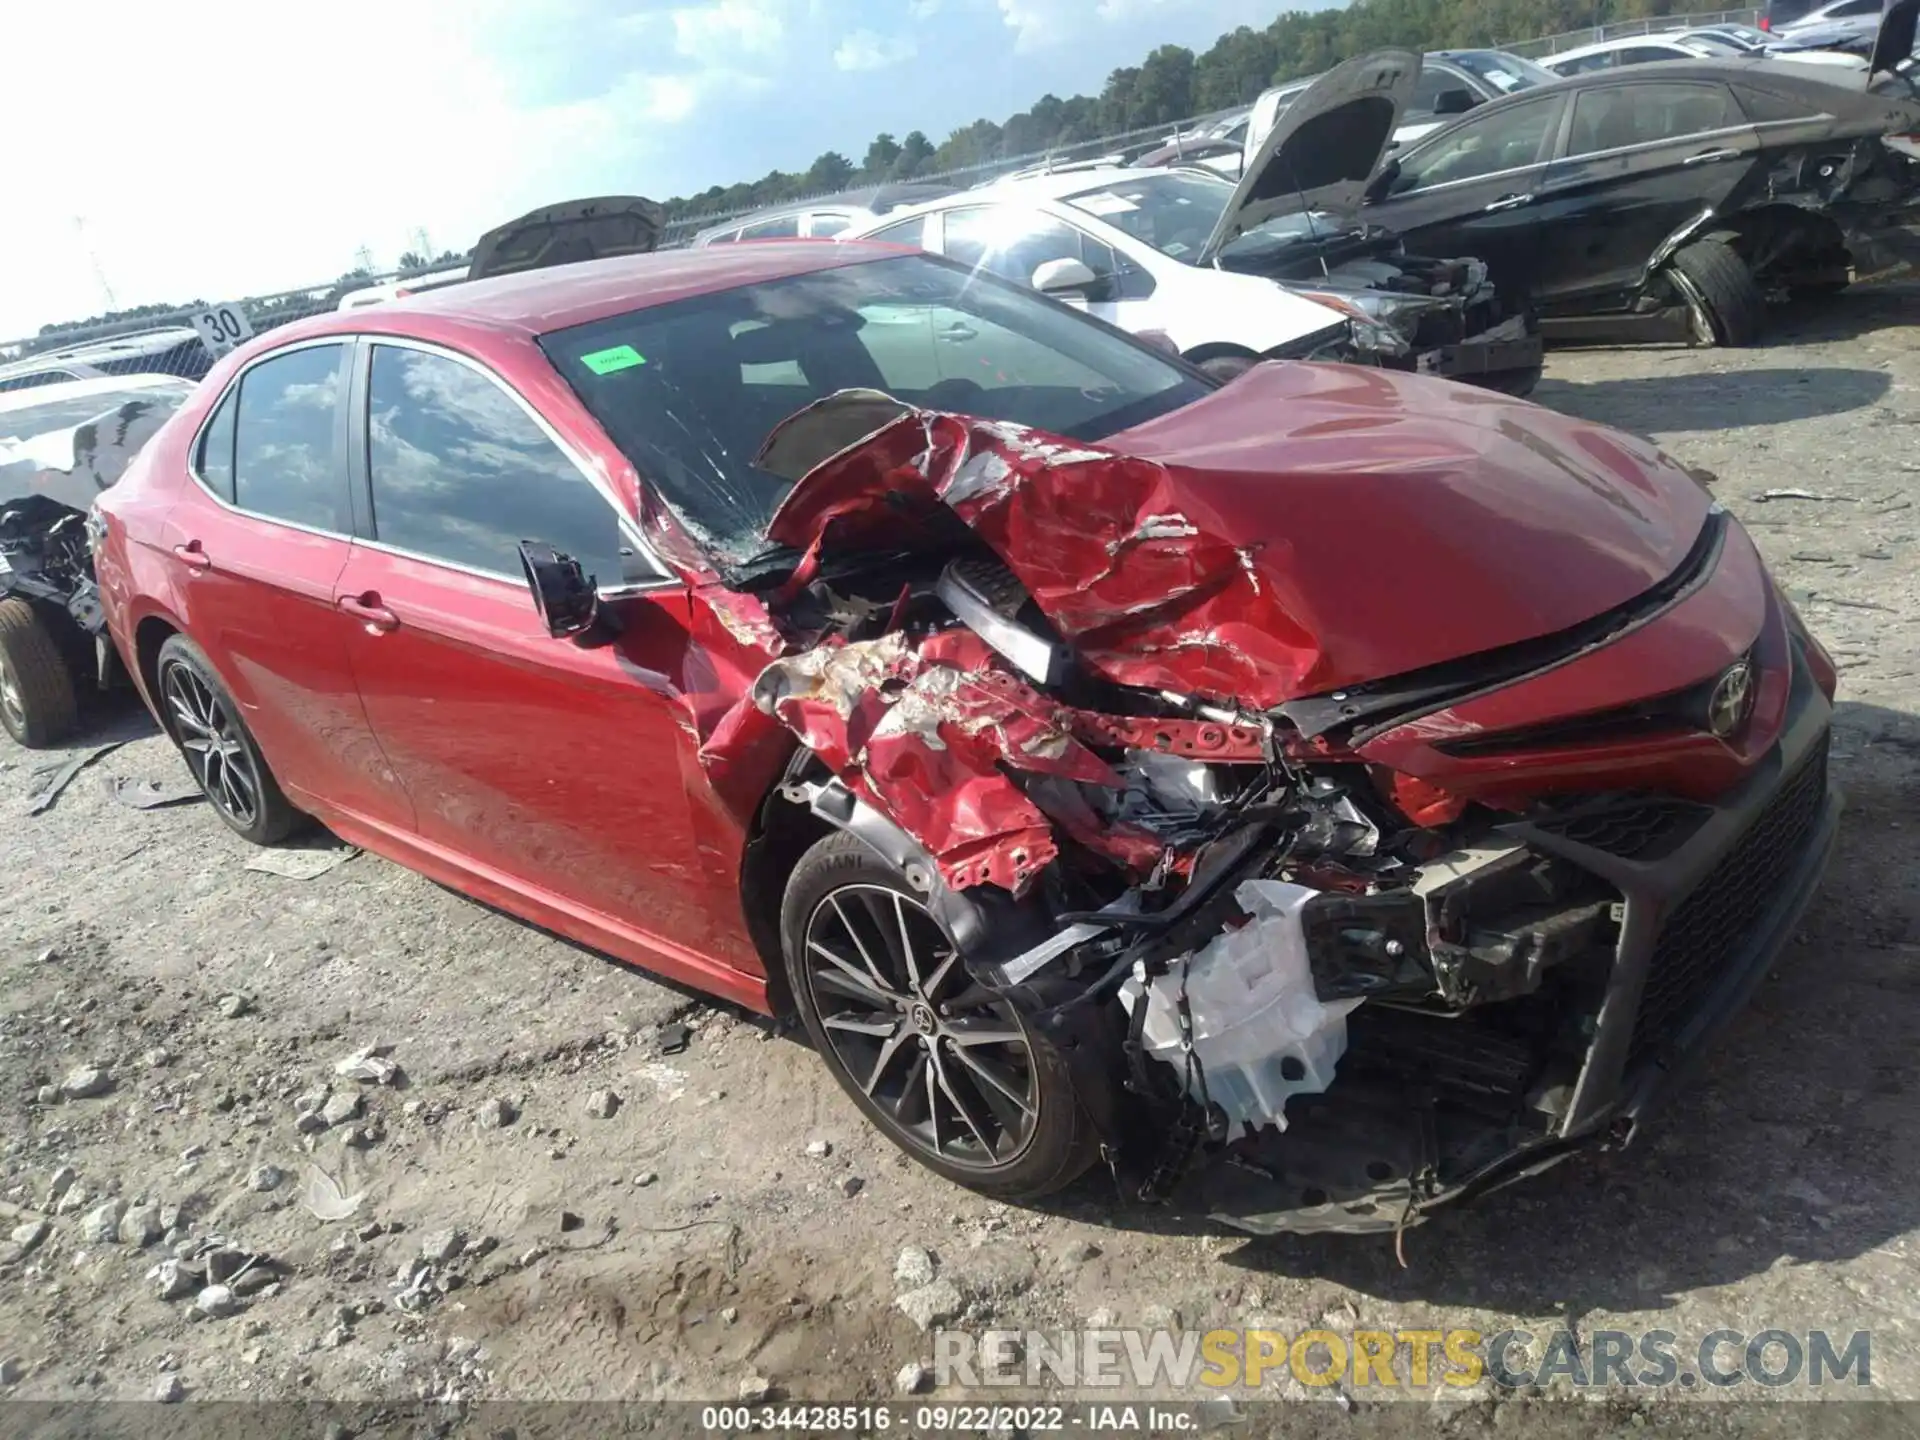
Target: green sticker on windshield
(620, 357)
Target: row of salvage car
(1320, 793)
(1672, 201)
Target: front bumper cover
(1507, 347)
(1701, 928)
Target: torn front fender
(931, 733)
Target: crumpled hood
(1306, 528)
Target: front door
(545, 769)
(1470, 190)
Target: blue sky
(230, 148)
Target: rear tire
(936, 1064)
(1721, 291)
(203, 719)
(38, 706)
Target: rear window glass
(1764, 105)
(286, 462)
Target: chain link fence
(1622, 29)
(264, 312)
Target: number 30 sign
(222, 327)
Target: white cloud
(718, 34)
(923, 9)
(864, 50)
(1038, 24)
(464, 116)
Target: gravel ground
(625, 1191)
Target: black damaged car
(1661, 202)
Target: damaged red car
(1320, 797)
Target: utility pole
(363, 257)
(99, 275)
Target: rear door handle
(192, 556)
(368, 608)
(959, 332)
(1511, 202)
(1708, 157)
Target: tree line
(1171, 83)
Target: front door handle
(1510, 202)
(192, 555)
(367, 607)
(959, 332)
(1709, 157)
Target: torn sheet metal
(929, 732)
(1148, 596)
(1372, 524)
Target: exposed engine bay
(1249, 941)
(1409, 311)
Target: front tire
(949, 1073)
(38, 706)
(1720, 292)
(203, 719)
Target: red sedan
(1324, 796)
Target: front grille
(1650, 829)
(1708, 930)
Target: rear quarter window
(1765, 105)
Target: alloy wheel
(943, 1058)
(214, 744)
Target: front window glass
(1508, 139)
(787, 227)
(1012, 243)
(461, 473)
(1175, 213)
(689, 391)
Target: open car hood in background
(1324, 148)
(571, 231)
(1894, 43)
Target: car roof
(11, 400)
(1622, 42)
(537, 302)
(1778, 74)
(1050, 185)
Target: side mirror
(1383, 181)
(563, 593)
(1454, 102)
(1065, 277)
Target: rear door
(1642, 158)
(1469, 190)
(258, 544)
(542, 768)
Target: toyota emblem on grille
(1731, 701)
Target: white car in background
(1682, 45)
(1147, 250)
(1057, 233)
(401, 288)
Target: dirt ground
(698, 1238)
